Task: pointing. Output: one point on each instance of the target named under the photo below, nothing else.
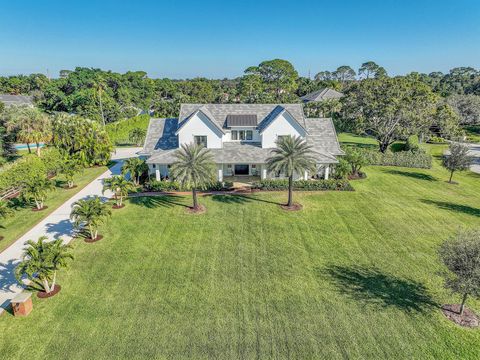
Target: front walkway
(55, 225)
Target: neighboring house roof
(322, 94)
(16, 100)
(241, 120)
(219, 112)
(161, 143)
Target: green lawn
(353, 275)
(24, 218)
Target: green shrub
(162, 185)
(419, 159)
(437, 140)
(167, 185)
(119, 131)
(305, 185)
(342, 169)
(412, 143)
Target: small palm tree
(37, 189)
(69, 167)
(194, 168)
(136, 167)
(5, 209)
(120, 188)
(89, 213)
(137, 136)
(41, 261)
(292, 155)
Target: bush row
(411, 159)
(306, 185)
(30, 166)
(167, 185)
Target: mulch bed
(118, 207)
(451, 182)
(2, 237)
(69, 188)
(43, 208)
(90, 240)
(359, 176)
(199, 210)
(467, 319)
(44, 295)
(294, 207)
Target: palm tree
(137, 136)
(136, 167)
(292, 155)
(193, 168)
(41, 261)
(69, 167)
(37, 189)
(120, 188)
(31, 126)
(5, 209)
(89, 213)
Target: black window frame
(201, 137)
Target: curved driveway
(55, 225)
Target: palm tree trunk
(462, 305)
(92, 234)
(54, 280)
(45, 286)
(451, 176)
(195, 201)
(120, 202)
(29, 150)
(38, 149)
(101, 106)
(290, 190)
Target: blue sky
(217, 39)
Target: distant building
(321, 95)
(16, 100)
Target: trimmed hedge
(167, 185)
(411, 159)
(305, 185)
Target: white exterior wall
(200, 125)
(256, 137)
(282, 125)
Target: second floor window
(200, 140)
(242, 135)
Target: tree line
(108, 96)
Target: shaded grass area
(24, 218)
(353, 275)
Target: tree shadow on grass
(158, 201)
(230, 198)
(414, 175)
(453, 207)
(378, 289)
(359, 145)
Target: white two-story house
(240, 137)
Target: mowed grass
(23, 218)
(353, 275)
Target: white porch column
(157, 174)
(264, 173)
(220, 174)
(305, 175)
(327, 170)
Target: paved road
(55, 225)
(475, 151)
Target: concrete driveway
(55, 225)
(475, 152)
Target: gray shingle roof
(17, 100)
(322, 94)
(161, 143)
(219, 112)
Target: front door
(241, 169)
